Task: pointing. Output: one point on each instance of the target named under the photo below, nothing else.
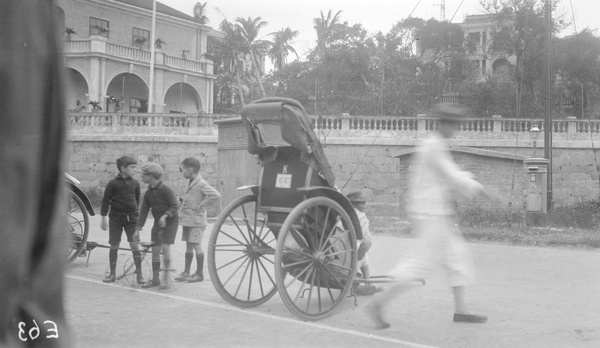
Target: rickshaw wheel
(315, 258)
(241, 255)
(79, 224)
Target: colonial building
(478, 29)
(108, 58)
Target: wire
(589, 120)
(573, 14)
(411, 12)
(455, 12)
(519, 99)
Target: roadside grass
(534, 236)
(576, 226)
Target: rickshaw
(294, 233)
(79, 209)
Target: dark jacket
(161, 199)
(122, 195)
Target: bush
(95, 195)
(477, 217)
(584, 215)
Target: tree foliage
(282, 46)
(577, 64)
(200, 13)
(412, 66)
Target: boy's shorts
(118, 223)
(164, 235)
(192, 234)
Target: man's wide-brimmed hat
(449, 111)
(356, 197)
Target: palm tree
(200, 13)
(282, 46)
(231, 51)
(324, 27)
(249, 28)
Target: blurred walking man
(434, 186)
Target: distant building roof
(160, 8)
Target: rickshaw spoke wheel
(78, 226)
(317, 248)
(241, 256)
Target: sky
(374, 15)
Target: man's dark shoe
(151, 284)
(111, 278)
(469, 318)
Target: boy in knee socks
(122, 195)
(197, 196)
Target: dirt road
(534, 297)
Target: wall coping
(468, 150)
(143, 138)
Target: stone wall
(93, 162)
(380, 170)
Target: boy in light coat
(192, 217)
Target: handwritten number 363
(34, 332)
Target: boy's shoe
(111, 278)
(182, 276)
(140, 277)
(195, 278)
(151, 284)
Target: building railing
(334, 126)
(76, 46)
(100, 45)
(134, 123)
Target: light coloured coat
(437, 181)
(196, 197)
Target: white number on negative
(284, 181)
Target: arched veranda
(126, 93)
(182, 98)
(77, 91)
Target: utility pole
(548, 103)
(442, 6)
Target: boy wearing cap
(161, 199)
(434, 186)
(192, 217)
(122, 196)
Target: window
(99, 27)
(140, 38)
(138, 105)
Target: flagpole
(548, 105)
(152, 58)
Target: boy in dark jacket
(122, 195)
(161, 199)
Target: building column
(102, 88)
(210, 85)
(481, 33)
(159, 101)
(94, 92)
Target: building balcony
(99, 46)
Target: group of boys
(121, 202)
